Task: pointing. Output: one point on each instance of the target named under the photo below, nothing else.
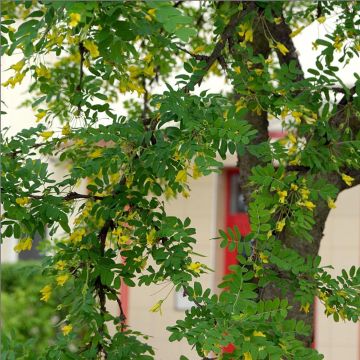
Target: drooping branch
(71, 196)
(224, 37)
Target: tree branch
(71, 196)
(224, 37)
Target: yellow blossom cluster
(150, 14)
(66, 329)
(46, 293)
(77, 235)
(196, 173)
(305, 308)
(92, 48)
(43, 71)
(96, 153)
(348, 180)
(74, 19)
(282, 48)
(338, 43)
(16, 79)
(66, 130)
(46, 134)
(120, 236)
(195, 267)
(181, 176)
(23, 245)
(60, 265)
(282, 196)
(280, 225)
(246, 32)
(22, 201)
(40, 115)
(151, 237)
(62, 279)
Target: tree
(105, 49)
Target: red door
(235, 213)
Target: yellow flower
(258, 333)
(14, 80)
(149, 71)
(329, 310)
(46, 293)
(66, 329)
(309, 205)
(342, 314)
(74, 19)
(40, 115)
(60, 265)
(169, 193)
(96, 154)
(79, 142)
(22, 201)
(247, 356)
(282, 196)
(331, 203)
(297, 31)
(322, 296)
(292, 138)
(304, 193)
(77, 235)
(347, 179)
(321, 19)
(92, 48)
(259, 71)
(181, 176)
(194, 266)
(62, 279)
(269, 234)
(151, 237)
(157, 307)
(297, 116)
(196, 173)
(151, 12)
(18, 66)
(280, 225)
(293, 187)
(247, 32)
(264, 258)
(185, 194)
(278, 20)
(148, 58)
(66, 130)
(305, 308)
(23, 245)
(237, 69)
(269, 60)
(240, 104)
(282, 48)
(338, 43)
(123, 239)
(43, 71)
(46, 134)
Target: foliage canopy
(82, 58)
